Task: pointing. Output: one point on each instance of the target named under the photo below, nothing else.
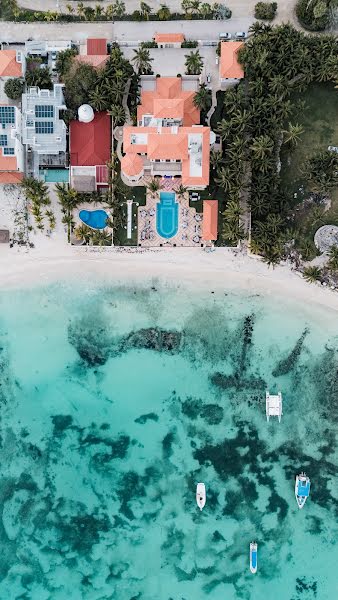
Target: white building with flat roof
(43, 129)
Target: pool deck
(189, 221)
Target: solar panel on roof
(3, 140)
(44, 111)
(44, 127)
(7, 115)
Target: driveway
(171, 61)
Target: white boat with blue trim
(302, 489)
(253, 557)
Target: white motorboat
(200, 495)
(302, 489)
(274, 405)
(253, 557)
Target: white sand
(221, 270)
(52, 260)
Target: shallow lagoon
(115, 402)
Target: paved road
(121, 31)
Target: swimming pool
(167, 215)
(55, 175)
(96, 219)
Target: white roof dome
(85, 113)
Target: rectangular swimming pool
(167, 215)
(55, 175)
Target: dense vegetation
(258, 118)
(265, 10)
(37, 195)
(14, 88)
(102, 88)
(316, 15)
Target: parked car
(208, 78)
(240, 35)
(54, 55)
(225, 36)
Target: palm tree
(232, 231)
(80, 9)
(215, 159)
(333, 262)
(154, 186)
(163, 13)
(224, 128)
(142, 61)
(145, 10)
(83, 232)
(205, 10)
(98, 11)
(202, 98)
(233, 211)
(98, 99)
(118, 114)
(292, 134)
(181, 190)
(225, 178)
(262, 147)
(193, 63)
(102, 238)
(312, 274)
(278, 85)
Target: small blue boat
(253, 557)
(302, 489)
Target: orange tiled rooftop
(162, 38)
(229, 67)
(168, 130)
(9, 67)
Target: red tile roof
(210, 220)
(8, 65)
(90, 142)
(102, 174)
(229, 67)
(96, 46)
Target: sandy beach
(193, 268)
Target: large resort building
(168, 140)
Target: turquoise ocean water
(116, 401)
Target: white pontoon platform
(274, 406)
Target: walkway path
(213, 105)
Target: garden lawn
(320, 123)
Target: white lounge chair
(274, 406)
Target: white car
(224, 36)
(240, 35)
(208, 78)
